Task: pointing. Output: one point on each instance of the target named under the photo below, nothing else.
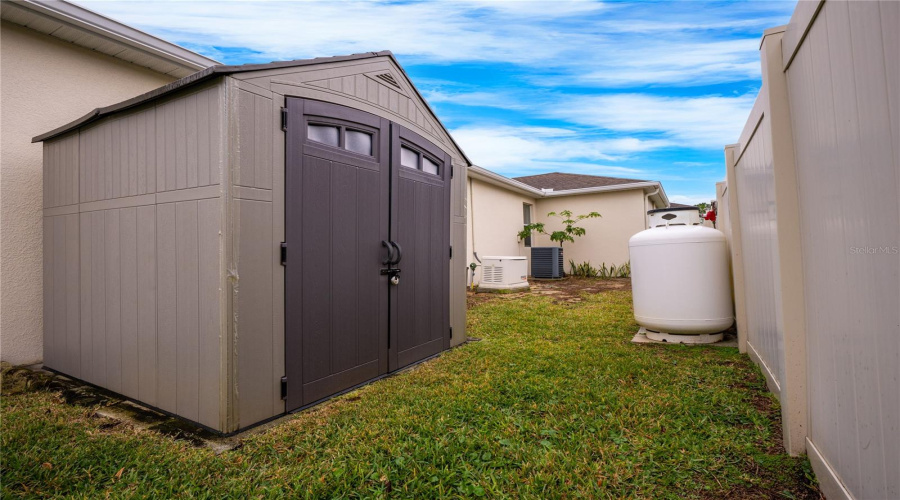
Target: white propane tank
(680, 281)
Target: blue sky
(643, 90)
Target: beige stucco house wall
(499, 215)
(495, 207)
(46, 80)
(606, 238)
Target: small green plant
(583, 270)
(586, 270)
(569, 231)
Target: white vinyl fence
(813, 188)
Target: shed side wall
(132, 267)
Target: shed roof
(221, 70)
(559, 181)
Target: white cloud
(578, 43)
(691, 199)
(704, 122)
(520, 150)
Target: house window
(526, 219)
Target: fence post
(736, 247)
(793, 388)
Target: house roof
(681, 205)
(559, 181)
(651, 188)
(85, 28)
(221, 70)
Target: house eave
(648, 187)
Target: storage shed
(250, 240)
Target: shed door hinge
(284, 119)
(451, 332)
(451, 170)
(283, 387)
(451, 251)
(283, 253)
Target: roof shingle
(558, 181)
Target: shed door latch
(283, 387)
(283, 253)
(284, 119)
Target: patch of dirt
(112, 409)
(562, 291)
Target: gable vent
(389, 78)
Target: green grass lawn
(553, 402)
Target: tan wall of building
(45, 83)
(606, 239)
(495, 218)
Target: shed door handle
(390, 257)
(396, 261)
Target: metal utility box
(250, 240)
(504, 273)
(547, 262)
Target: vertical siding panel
(106, 169)
(73, 292)
(167, 375)
(371, 91)
(113, 303)
(246, 136)
(160, 149)
(151, 148)
(180, 144)
(141, 151)
(264, 135)
(74, 152)
(359, 86)
(59, 293)
(204, 124)
(133, 154)
(384, 96)
(216, 101)
(129, 299)
(82, 165)
(209, 223)
(190, 138)
(115, 160)
(171, 147)
(187, 314)
(254, 310)
(98, 300)
(347, 85)
(48, 291)
(146, 302)
(86, 297)
(46, 175)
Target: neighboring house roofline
(95, 31)
(496, 179)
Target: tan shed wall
(827, 155)
(606, 238)
(40, 76)
(256, 208)
(133, 266)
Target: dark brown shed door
(366, 201)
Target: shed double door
(366, 203)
